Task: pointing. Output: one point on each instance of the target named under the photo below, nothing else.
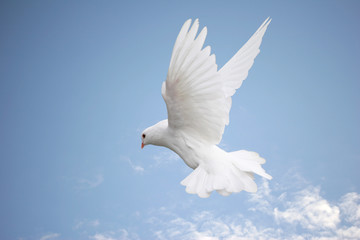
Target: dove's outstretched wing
(197, 95)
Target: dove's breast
(190, 150)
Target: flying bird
(198, 101)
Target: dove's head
(155, 135)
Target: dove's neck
(163, 135)
(160, 134)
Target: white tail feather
(249, 162)
(226, 176)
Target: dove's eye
(143, 135)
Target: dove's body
(198, 100)
(190, 151)
(215, 169)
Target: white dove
(198, 101)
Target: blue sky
(80, 80)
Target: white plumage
(198, 100)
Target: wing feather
(197, 95)
(236, 69)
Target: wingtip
(268, 20)
(196, 22)
(187, 23)
(205, 30)
(264, 25)
(189, 20)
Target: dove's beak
(142, 145)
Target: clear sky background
(80, 80)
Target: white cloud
(85, 183)
(50, 236)
(297, 211)
(100, 236)
(121, 234)
(302, 214)
(350, 207)
(310, 210)
(262, 198)
(136, 168)
(348, 233)
(205, 225)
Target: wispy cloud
(295, 210)
(85, 223)
(88, 183)
(135, 167)
(302, 214)
(121, 234)
(205, 225)
(100, 236)
(50, 236)
(310, 210)
(165, 157)
(350, 208)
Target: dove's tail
(233, 174)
